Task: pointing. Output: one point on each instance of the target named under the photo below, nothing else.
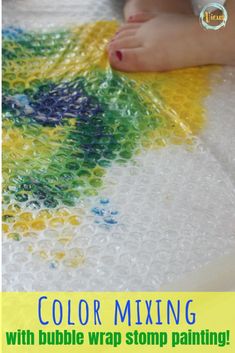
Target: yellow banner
(118, 322)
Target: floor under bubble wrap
(111, 181)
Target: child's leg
(172, 41)
(142, 10)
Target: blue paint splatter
(98, 212)
(105, 216)
(104, 201)
(12, 33)
(110, 220)
(53, 265)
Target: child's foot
(143, 10)
(171, 41)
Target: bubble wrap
(111, 181)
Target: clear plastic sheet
(111, 181)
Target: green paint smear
(21, 45)
(71, 171)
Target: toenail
(119, 55)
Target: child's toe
(141, 17)
(124, 43)
(128, 26)
(129, 60)
(125, 34)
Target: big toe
(141, 17)
(128, 59)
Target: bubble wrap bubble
(111, 181)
